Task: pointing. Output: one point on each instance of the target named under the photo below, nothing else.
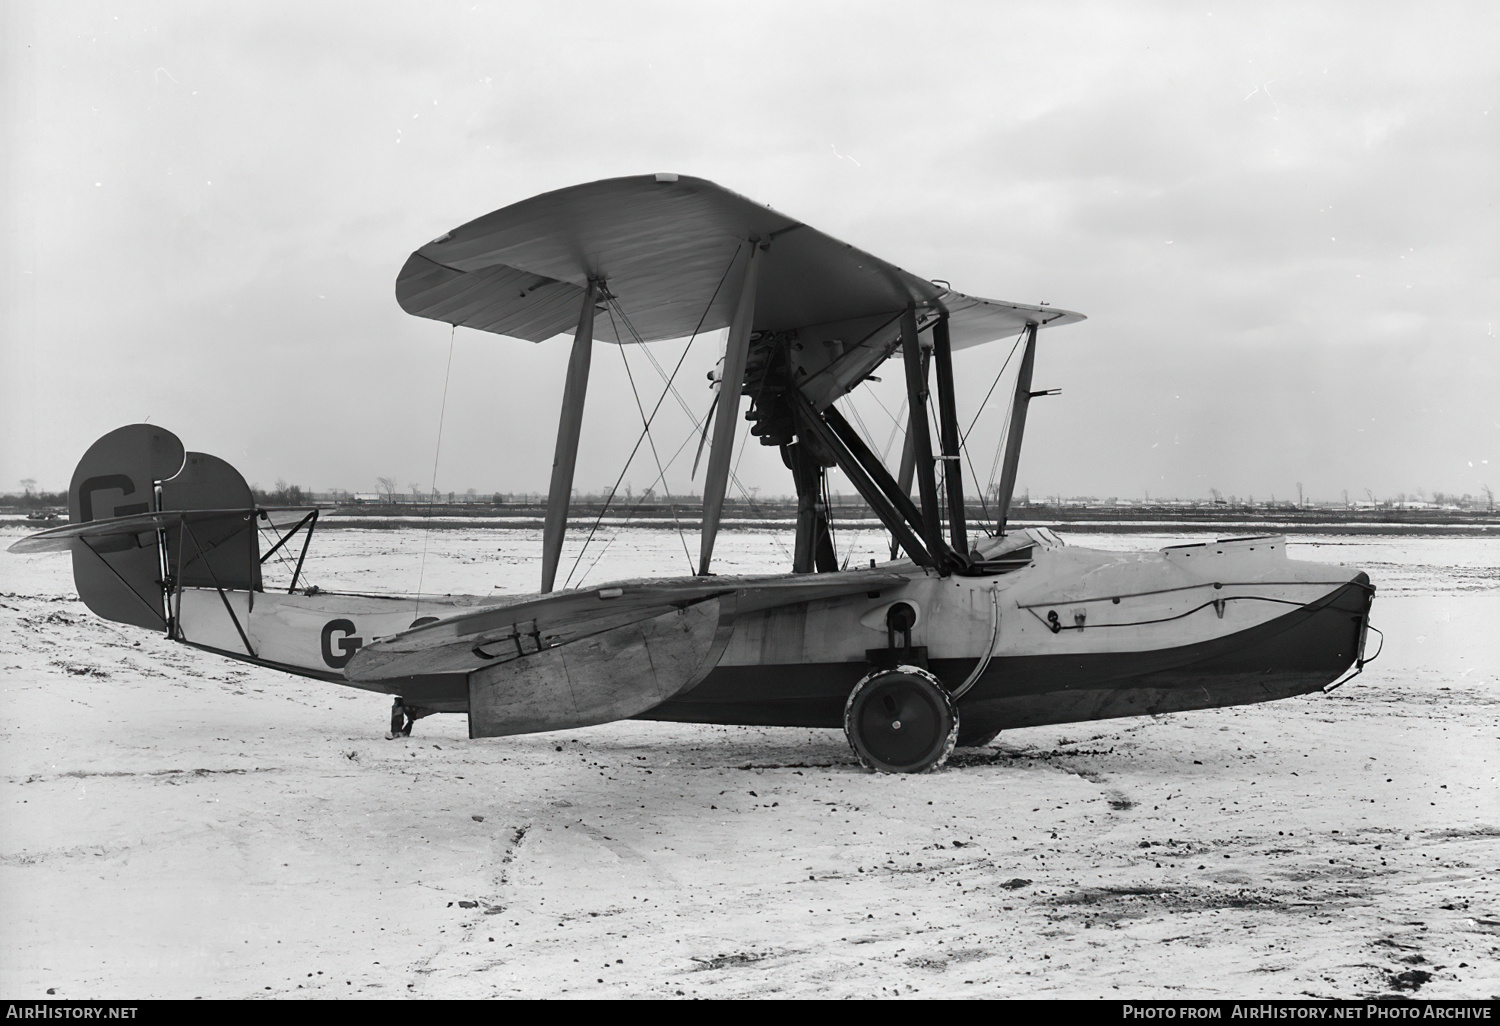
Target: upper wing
(669, 247)
(973, 321)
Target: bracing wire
(700, 424)
(942, 495)
(630, 514)
(734, 478)
(864, 430)
(734, 471)
(610, 498)
(651, 440)
(869, 437)
(436, 451)
(1000, 445)
(896, 426)
(874, 395)
(991, 392)
(645, 431)
(974, 476)
(963, 440)
(280, 552)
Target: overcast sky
(1279, 219)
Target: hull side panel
(1294, 654)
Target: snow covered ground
(181, 825)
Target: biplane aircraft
(967, 630)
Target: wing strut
(727, 416)
(569, 424)
(942, 352)
(865, 472)
(814, 546)
(907, 471)
(1016, 428)
(916, 395)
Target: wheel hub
(900, 721)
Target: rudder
(141, 468)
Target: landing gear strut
(403, 716)
(901, 721)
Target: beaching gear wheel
(900, 721)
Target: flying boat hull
(1075, 634)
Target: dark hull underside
(1291, 655)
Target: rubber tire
(908, 696)
(977, 735)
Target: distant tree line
(284, 494)
(30, 498)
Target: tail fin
(222, 551)
(141, 468)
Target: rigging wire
(661, 472)
(974, 476)
(734, 477)
(630, 514)
(963, 440)
(279, 539)
(623, 470)
(701, 425)
(436, 450)
(869, 438)
(833, 541)
(874, 395)
(864, 430)
(942, 495)
(1000, 448)
(734, 472)
(610, 498)
(896, 426)
(692, 434)
(992, 386)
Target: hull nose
(1303, 650)
(1360, 589)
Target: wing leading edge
(669, 248)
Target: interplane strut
(1016, 428)
(726, 416)
(569, 424)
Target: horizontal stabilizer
(136, 529)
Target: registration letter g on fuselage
(347, 644)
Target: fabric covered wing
(670, 249)
(498, 634)
(974, 321)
